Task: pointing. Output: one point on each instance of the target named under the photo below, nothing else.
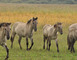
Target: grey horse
(50, 33)
(4, 36)
(72, 37)
(24, 30)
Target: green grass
(37, 52)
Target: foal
(50, 33)
(24, 30)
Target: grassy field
(47, 14)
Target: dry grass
(47, 14)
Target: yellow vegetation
(47, 14)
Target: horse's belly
(53, 37)
(21, 34)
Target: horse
(24, 30)
(4, 36)
(50, 33)
(72, 37)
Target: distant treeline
(41, 1)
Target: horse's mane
(29, 21)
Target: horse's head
(33, 22)
(58, 26)
(6, 29)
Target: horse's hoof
(73, 51)
(58, 51)
(6, 58)
(11, 47)
(48, 49)
(43, 47)
(68, 48)
(27, 49)
(21, 48)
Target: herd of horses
(27, 29)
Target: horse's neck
(55, 31)
(2, 34)
(30, 28)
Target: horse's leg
(19, 41)
(69, 47)
(12, 39)
(73, 48)
(27, 43)
(44, 42)
(31, 43)
(68, 42)
(49, 43)
(57, 45)
(73, 45)
(7, 50)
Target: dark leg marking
(20, 42)
(7, 50)
(27, 43)
(12, 39)
(31, 43)
(44, 42)
(57, 46)
(49, 44)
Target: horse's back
(17, 26)
(14, 26)
(46, 29)
(73, 31)
(46, 26)
(73, 27)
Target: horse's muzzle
(61, 33)
(8, 38)
(35, 30)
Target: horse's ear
(55, 25)
(59, 23)
(1, 24)
(8, 24)
(35, 18)
(28, 21)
